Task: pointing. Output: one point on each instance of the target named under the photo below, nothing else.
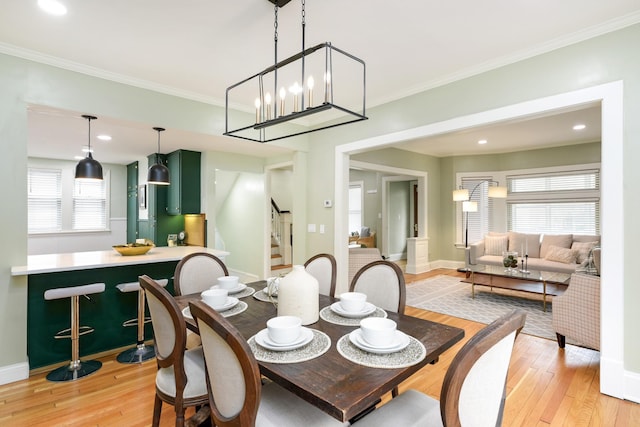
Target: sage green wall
(372, 201)
(604, 59)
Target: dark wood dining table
(337, 386)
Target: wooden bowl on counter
(133, 249)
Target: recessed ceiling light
(78, 157)
(86, 149)
(53, 7)
(482, 141)
(579, 127)
(104, 137)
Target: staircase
(280, 235)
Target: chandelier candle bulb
(310, 84)
(267, 101)
(257, 110)
(283, 95)
(295, 89)
(327, 86)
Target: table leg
(544, 296)
(473, 285)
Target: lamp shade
(469, 206)
(89, 169)
(498, 192)
(460, 195)
(158, 175)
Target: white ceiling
(196, 49)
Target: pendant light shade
(88, 168)
(158, 173)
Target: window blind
(44, 200)
(89, 205)
(480, 222)
(555, 203)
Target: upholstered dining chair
(180, 380)
(236, 394)
(197, 272)
(474, 388)
(323, 268)
(383, 283)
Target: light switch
(321, 228)
(311, 228)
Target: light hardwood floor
(546, 386)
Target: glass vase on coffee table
(510, 261)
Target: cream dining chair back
(180, 379)
(383, 283)
(323, 268)
(474, 388)
(236, 394)
(197, 272)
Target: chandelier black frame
(279, 118)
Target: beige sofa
(562, 253)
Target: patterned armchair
(576, 313)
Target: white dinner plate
(367, 310)
(241, 287)
(401, 341)
(186, 312)
(262, 338)
(231, 302)
(266, 292)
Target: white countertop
(51, 263)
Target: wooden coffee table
(534, 282)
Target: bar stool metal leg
(76, 368)
(140, 352)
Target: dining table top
(336, 385)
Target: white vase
(298, 295)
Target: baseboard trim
(13, 373)
(632, 386)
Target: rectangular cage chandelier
(319, 88)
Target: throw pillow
(560, 240)
(583, 249)
(563, 255)
(495, 245)
(365, 232)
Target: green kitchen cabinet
(132, 202)
(183, 196)
(159, 224)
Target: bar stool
(140, 352)
(76, 368)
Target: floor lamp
(468, 205)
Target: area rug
(448, 295)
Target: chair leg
(561, 340)
(157, 410)
(394, 392)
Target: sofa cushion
(495, 245)
(560, 240)
(525, 244)
(559, 254)
(583, 249)
(586, 238)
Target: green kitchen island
(105, 312)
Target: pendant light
(158, 173)
(87, 168)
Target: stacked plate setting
(284, 333)
(353, 305)
(379, 335)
